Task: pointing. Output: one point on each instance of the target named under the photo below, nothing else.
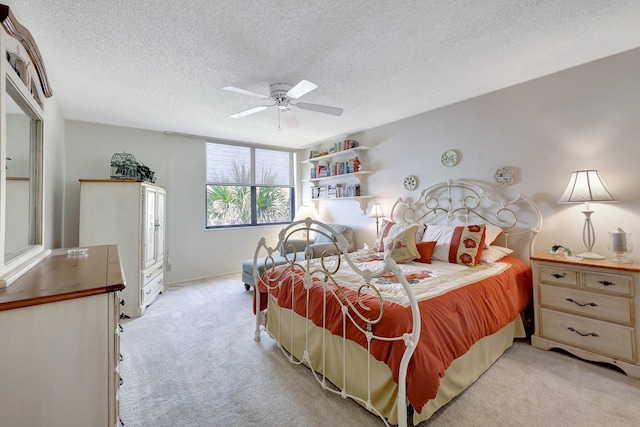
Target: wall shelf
(341, 185)
(362, 200)
(343, 175)
(354, 151)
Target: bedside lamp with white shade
(587, 186)
(376, 212)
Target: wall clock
(504, 175)
(450, 158)
(410, 183)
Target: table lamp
(376, 212)
(587, 186)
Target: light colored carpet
(191, 361)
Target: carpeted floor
(191, 361)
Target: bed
(406, 325)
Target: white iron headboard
(459, 202)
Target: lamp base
(590, 255)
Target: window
(248, 185)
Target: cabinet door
(149, 227)
(160, 224)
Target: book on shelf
(335, 191)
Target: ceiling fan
(283, 95)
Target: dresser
(60, 342)
(131, 215)
(588, 308)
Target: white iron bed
(346, 295)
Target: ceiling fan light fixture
(282, 94)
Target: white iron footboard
(323, 270)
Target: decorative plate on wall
(505, 175)
(410, 183)
(450, 158)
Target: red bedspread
(451, 323)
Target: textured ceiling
(161, 65)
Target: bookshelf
(338, 175)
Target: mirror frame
(27, 90)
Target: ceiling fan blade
(300, 89)
(245, 92)
(247, 112)
(335, 111)
(290, 118)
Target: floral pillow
(390, 228)
(401, 247)
(456, 244)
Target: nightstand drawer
(613, 283)
(594, 335)
(563, 276)
(589, 304)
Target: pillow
(493, 254)
(389, 228)
(401, 247)
(425, 249)
(383, 231)
(456, 244)
(491, 234)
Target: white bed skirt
(462, 372)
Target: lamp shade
(305, 212)
(586, 186)
(376, 211)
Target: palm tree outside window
(248, 185)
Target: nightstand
(588, 308)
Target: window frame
(253, 186)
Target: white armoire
(131, 215)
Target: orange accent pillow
(425, 249)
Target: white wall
(584, 117)
(179, 166)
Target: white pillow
(494, 254)
(491, 233)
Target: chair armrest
(317, 249)
(294, 245)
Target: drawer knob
(592, 304)
(606, 283)
(559, 276)
(582, 334)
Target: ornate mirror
(23, 86)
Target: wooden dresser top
(62, 276)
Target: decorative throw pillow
(425, 249)
(494, 253)
(491, 234)
(386, 227)
(401, 247)
(456, 244)
(389, 228)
